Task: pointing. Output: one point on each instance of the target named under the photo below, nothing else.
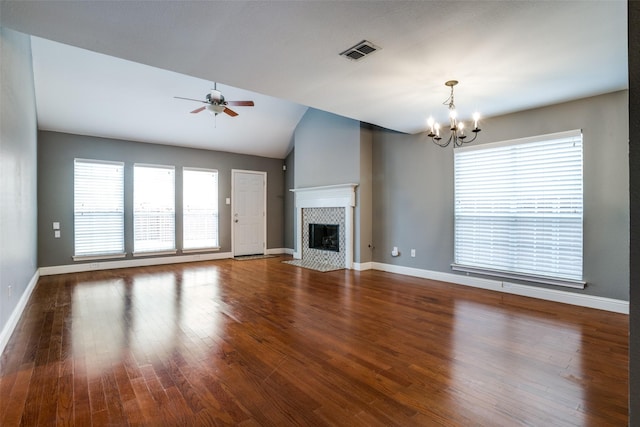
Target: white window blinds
(98, 191)
(200, 208)
(153, 208)
(519, 209)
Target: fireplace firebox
(324, 237)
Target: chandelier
(457, 135)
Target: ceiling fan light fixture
(216, 104)
(215, 109)
(215, 95)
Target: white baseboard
(279, 251)
(138, 262)
(12, 322)
(362, 266)
(573, 298)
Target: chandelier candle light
(457, 127)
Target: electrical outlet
(413, 253)
(94, 265)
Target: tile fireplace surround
(332, 204)
(324, 216)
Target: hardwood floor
(262, 343)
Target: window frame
(159, 250)
(496, 215)
(216, 245)
(120, 252)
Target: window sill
(568, 283)
(97, 257)
(154, 253)
(197, 250)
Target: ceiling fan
(216, 103)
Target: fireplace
(324, 237)
(331, 205)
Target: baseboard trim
(362, 266)
(279, 251)
(573, 298)
(12, 322)
(139, 262)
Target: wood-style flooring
(262, 343)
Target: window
(200, 208)
(153, 209)
(519, 210)
(98, 209)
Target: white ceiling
(507, 55)
(86, 93)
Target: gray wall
(634, 183)
(412, 201)
(327, 150)
(364, 225)
(18, 202)
(56, 153)
(289, 201)
(413, 189)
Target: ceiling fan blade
(241, 103)
(197, 110)
(230, 112)
(191, 99)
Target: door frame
(264, 202)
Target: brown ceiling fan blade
(197, 110)
(230, 112)
(191, 99)
(241, 103)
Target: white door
(249, 212)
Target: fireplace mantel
(328, 196)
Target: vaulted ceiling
(112, 68)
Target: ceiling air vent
(360, 50)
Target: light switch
(56, 234)
(228, 201)
(56, 226)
